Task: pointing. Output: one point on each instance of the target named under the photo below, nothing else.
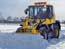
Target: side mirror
(26, 11)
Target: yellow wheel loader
(40, 20)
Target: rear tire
(57, 33)
(57, 29)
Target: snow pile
(62, 26)
(8, 28)
(57, 43)
(60, 45)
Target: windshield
(40, 9)
(39, 12)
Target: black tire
(57, 33)
(43, 31)
(46, 35)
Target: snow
(10, 40)
(58, 43)
(5, 28)
(62, 26)
(10, 28)
(26, 41)
(21, 41)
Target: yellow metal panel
(53, 19)
(49, 21)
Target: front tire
(42, 28)
(46, 35)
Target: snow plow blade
(22, 31)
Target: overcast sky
(17, 7)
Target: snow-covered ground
(10, 40)
(8, 28)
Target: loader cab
(40, 12)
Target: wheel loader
(40, 20)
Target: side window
(49, 12)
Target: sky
(17, 7)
